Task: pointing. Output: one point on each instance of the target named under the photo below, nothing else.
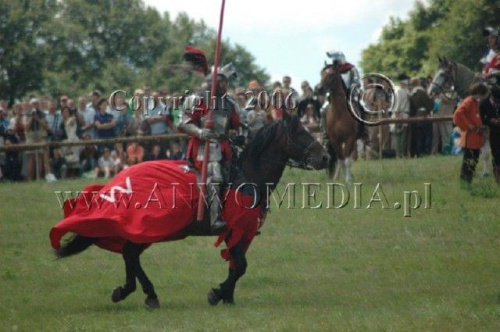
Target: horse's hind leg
(147, 286)
(131, 253)
(237, 269)
(120, 293)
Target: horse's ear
(440, 59)
(445, 61)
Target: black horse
(262, 163)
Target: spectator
(135, 154)
(287, 81)
(63, 101)
(241, 98)
(155, 153)
(376, 100)
(58, 165)
(490, 116)
(310, 119)
(121, 116)
(175, 113)
(36, 132)
(441, 131)
(68, 124)
(402, 111)
(304, 86)
(91, 110)
(308, 99)
(88, 156)
(105, 164)
(18, 123)
(70, 154)
(276, 85)
(467, 118)
(86, 115)
(119, 157)
(4, 121)
(156, 118)
(12, 169)
(421, 105)
(134, 124)
(254, 87)
(54, 120)
(104, 123)
(176, 153)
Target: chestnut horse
(341, 126)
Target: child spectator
(105, 164)
(175, 153)
(156, 153)
(120, 157)
(135, 154)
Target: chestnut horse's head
(331, 80)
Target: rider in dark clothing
(489, 109)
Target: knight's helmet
(336, 56)
(228, 72)
(489, 31)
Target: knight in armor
(350, 76)
(491, 60)
(225, 121)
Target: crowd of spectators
(41, 119)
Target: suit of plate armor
(224, 117)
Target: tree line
(451, 28)
(56, 47)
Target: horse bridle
(292, 148)
(452, 90)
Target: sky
(292, 38)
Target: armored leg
(214, 187)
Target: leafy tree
(443, 27)
(22, 40)
(73, 46)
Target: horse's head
(282, 142)
(302, 149)
(444, 79)
(331, 79)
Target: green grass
(311, 269)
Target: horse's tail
(74, 246)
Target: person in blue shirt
(104, 123)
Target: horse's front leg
(237, 269)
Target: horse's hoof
(152, 303)
(213, 296)
(117, 294)
(228, 302)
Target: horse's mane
(465, 77)
(262, 139)
(336, 73)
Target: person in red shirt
(135, 154)
(467, 118)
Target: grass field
(311, 269)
